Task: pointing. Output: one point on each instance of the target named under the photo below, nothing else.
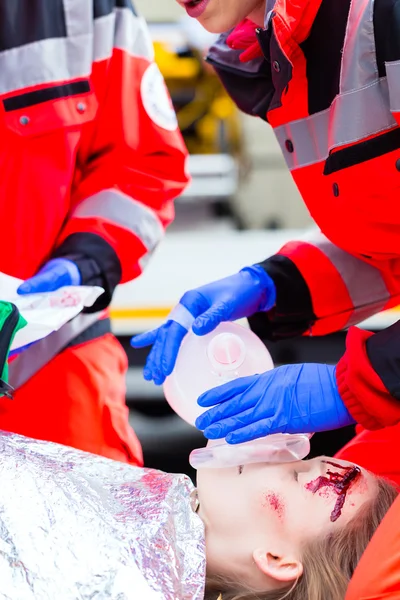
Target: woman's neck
(258, 14)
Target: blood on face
(338, 482)
(276, 503)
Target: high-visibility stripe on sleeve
(331, 302)
(357, 71)
(315, 136)
(364, 283)
(132, 34)
(124, 30)
(393, 78)
(122, 210)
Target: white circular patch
(156, 100)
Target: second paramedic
(325, 76)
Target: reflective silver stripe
(352, 117)
(46, 61)
(103, 43)
(364, 313)
(393, 77)
(55, 59)
(359, 66)
(132, 34)
(362, 107)
(63, 59)
(364, 283)
(145, 259)
(34, 358)
(124, 30)
(125, 212)
(78, 17)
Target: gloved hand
(290, 399)
(241, 295)
(55, 274)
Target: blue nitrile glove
(290, 399)
(55, 274)
(240, 295)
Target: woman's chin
(217, 24)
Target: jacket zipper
(6, 334)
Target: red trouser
(78, 400)
(377, 451)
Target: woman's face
(218, 16)
(271, 510)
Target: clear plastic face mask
(276, 448)
(205, 362)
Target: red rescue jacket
(326, 77)
(91, 157)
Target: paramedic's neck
(258, 14)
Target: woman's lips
(195, 8)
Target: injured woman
(77, 526)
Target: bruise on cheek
(276, 504)
(338, 482)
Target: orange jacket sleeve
(377, 576)
(131, 160)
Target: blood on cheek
(338, 482)
(275, 502)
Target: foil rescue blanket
(77, 526)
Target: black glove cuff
(293, 313)
(97, 262)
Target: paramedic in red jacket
(91, 161)
(325, 75)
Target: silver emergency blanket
(77, 526)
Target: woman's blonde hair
(328, 562)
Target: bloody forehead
(333, 464)
(338, 482)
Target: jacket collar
(294, 18)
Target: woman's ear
(283, 568)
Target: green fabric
(7, 337)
